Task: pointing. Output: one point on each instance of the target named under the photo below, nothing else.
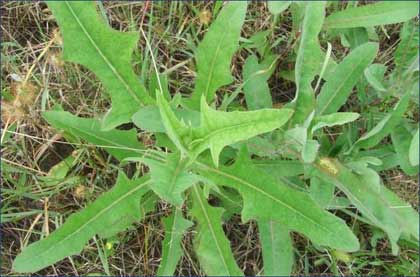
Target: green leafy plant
(278, 165)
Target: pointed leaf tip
(112, 212)
(86, 38)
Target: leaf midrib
(116, 145)
(341, 86)
(165, 269)
(349, 193)
(96, 216)
(210, 227)
(175, 174)
(343, 187)
(102, 55)
(375, 130)
(215, 56)
(272, 240)
(262, 192)
(216, 132)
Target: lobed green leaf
(111, 213)
(211, 245)
(148, 118)
(256, 90)
(218, 129)
(347, 73)
(369, 200)
(87, 41)
(322, 192)
(120, 144)
(385, 125)
(277, 248)
(308, 60)
(169, 179)
(175, 227)
(214, 54)
(294, 209)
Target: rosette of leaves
(274, 166)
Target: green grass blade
(88, 40)
(112, 212)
